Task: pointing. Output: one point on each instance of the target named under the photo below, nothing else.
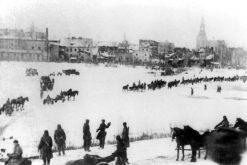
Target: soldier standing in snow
(87, 136)
(102, 134)
(205, 87)
(60, 138)
(45, 147)
(192, 91)
(125, 135)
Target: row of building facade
(17, 45)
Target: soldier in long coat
(16, 156)
(87, 136)
(125, 135)
(45, 147)
(60, 138)
(102, 134)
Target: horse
(20, 101)
(196, 140)
(179, 134)
(242, 125)
(72, 94)
(65, 93)
(125, 88)
(92, 160)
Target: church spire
(201, 38)
(202, 27)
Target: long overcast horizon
(176, 21)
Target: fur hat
(16, 141)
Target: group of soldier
(46, 143)
(122, 141)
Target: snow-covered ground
(101, 97)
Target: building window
(145, 55)
(75, 50)
(70, 49)
(32, 47)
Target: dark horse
(92, 160)
(72, 94)
(125, 88)
(242, 125)
(66, 93)
(181, 140)
(19, 102)
(196, 141)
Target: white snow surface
(101, 97)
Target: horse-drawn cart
(32, 72)
(71, 71)
(48, 100)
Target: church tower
(201, 38)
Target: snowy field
(101, 97)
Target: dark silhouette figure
(125, 135)
(87, 136)
(60, 138)
(223, 124)
(45, 148)
(102, 134)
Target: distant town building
(17, 45)
(165, 47)
(124, 51)
(150, 46)
(142, 56)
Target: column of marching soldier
(46, 143)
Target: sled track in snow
(235, 98)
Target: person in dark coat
(125, 135)
(223, 124)
(16, 156)
(121, 152)
(192, 91)
(45, 147)
(60, 138)
(205, 87)
(87, 136)
(102, 134)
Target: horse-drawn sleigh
(223, 145)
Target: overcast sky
(177, 21)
